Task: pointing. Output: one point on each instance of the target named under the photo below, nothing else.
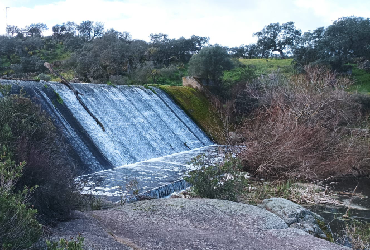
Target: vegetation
(300, 118)
(277, 38)
(63, 244)
(200, 109)
(361, 78)
(306, 127)
(257, 192)
(19, 228)
(28, 135)
(210, 63)
(217, 181)
(265, 67)
(358, 233)
(87, 52)
(345, 41)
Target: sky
(226, 22)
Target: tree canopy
(210, 63)
(94, 54)
(346, 39)
(276, 37)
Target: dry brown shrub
(306, 128)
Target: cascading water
(140, 124)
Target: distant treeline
(88, 52)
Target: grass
(68, 75)
(199, 108)
(266, 66)
(58, 53)
(358, 233)
(362, 80)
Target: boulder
(296, 216)
(203, 224)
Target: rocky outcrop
(296, 216)
(203, 224)
(188, 81)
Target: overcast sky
(226, 22)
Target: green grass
(362, 80)
(68, 75)
(58, 53)
(266, 66)
(199, 108)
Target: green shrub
(30, 136)
(217, 181)
(361, 78)
(63, 244)
(171, 75)
(210, 63)
(232, 79)
(44, 77)
(19, 228)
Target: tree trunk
(281, 53)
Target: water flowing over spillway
(140, 123)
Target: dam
(139, 124)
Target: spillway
(140, 123)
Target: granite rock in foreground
(203, 224)
(296, 216)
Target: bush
(217, 181)
(19, 228)
(307, 127)
(171, 75)
(118, 80)
(359, 234)
(143, 75)
(234, 80)
(63, 244)
(44, 77)
(210, 63)
(35, 140)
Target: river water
(356, 206)
(157, 177)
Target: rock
(95, 236)
(203, 224)
(297, 216)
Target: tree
(36, 29)
(238, 52)
(70, 28)
(98, 29)
(210, 63)
(346, 39)
(64, 30)
(310, 44)
(86, 29)
(198, 43)
(164, 51)
(12, 30)
(252, 51)
(276, 37)
(101, 58)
